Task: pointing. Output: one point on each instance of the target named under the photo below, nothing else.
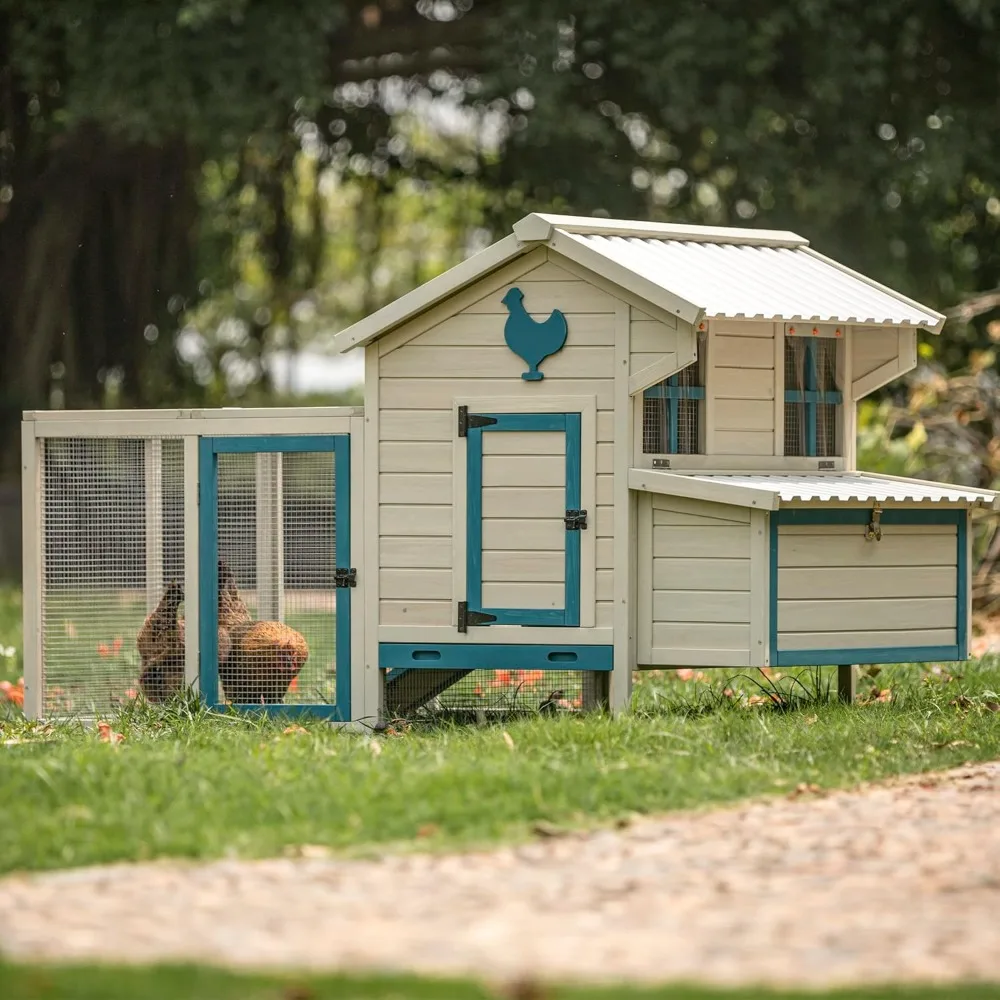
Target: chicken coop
(594, 447)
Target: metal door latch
(344, 577)
(874, 529)
(576, 520)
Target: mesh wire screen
(658, 413)
(797, 379)
(477, 695)
(277, 593)
(112, 541)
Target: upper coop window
(812, 396)
(673, 412)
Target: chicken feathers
(160, 643)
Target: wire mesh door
(275, 573)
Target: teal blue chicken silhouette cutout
(530, 339)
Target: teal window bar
(672, 414)
(812, 404)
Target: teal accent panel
(962, 590)
(886, 654)
(208, 573)
(530, 339)
(209, 449)
(570, 425)
(573, 501)
(474, 519)
(484, 656)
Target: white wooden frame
(188, 426)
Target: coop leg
(847, 682)
(595, 690)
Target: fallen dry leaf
(291, 730)
(962, 701)
(107, 735)
(992, 706)
(428, 830)
(375, 747)
(804, 789)
(545, 829)
(810, 719)
(507, 739)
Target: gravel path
(896, 882)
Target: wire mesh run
(277, 580)
(482, 695)
(112, 517)
(812, 398)
(672, 413)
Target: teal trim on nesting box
(486, 656)
(883, 654)
(568, 424)
(209, 449)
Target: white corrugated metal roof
(743, 280)
(854, 486)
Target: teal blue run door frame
(568, 424)
(209, 449)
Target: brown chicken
(161, 648)
(261, 658)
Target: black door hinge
(467, 617)
(576, 520)
(467, 420)
(345, 577)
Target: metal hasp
(873, 530)
(467, 617)
(343, 577)
(467, 420)
(576, 520)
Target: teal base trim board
(888, 654)
(483, 656)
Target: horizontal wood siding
(699, 611)
(649, 340)
(838, 591)
(463, 354)
(741, 388)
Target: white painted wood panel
(744, 442)
(524, 567)
(417, 361)
(415, 613)
(604, 590)
(813, 583)
(840, 550)
(701, 606)
(415, 456)
(694, 635)
(639, 360)
(845, 615)
(536, 595)
(412, 488)
(604, 522)
(744, 415)
(604, 614)
(415, 519)
(742, 328)
(431, 393)
(882, 639)
(524, 470)
(605, 427)
(743, 352)
(651, 337)
(416, 425)
(542, 533)
(686, 657)
(736, 383)
(910, 531)
(541, 297)
(502, 501)
(710, 514)
(430, 584)
(872, 348)
(725, 542)
(406, 552)
(486, 330)
(524, 443)
(701, 574)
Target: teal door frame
(569, 425)
(209, 449)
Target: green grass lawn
(194, 983)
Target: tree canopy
(186, 185)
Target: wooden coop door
(523, 519)
(275, 573)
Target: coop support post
(192, 540)
(625, 520)
(270, 541)
(32, 533)
(847, 681)
(153, 489)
